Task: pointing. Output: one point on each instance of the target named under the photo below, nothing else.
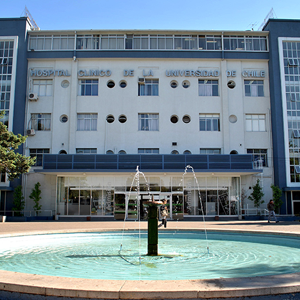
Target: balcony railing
(158, 162)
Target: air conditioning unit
(30, 132)
(141, 80)
(33, 97)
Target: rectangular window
(88, 87)
(208, 87)
(86, 150)
(148, 122)
(148, 87)
(112, 41)
(148, 150)
(2, 177)
(41, 122)
(38, 153)
(5, 87)
(87, 122)
(42, 87)
(63, 42)
(209, 122)
(260, 156)
(87, 42)
(254, 88)
(210, 151)
(255, 122)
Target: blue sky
(151, 14)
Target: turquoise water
(184, 255)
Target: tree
(36, 197)
(12, 163)
(256, 195)
(277, 193)
(18, 202)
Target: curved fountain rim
(149, 289)
(242, 231)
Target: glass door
(96, 207)
(73, 204)
(85, 202)
(176, 206)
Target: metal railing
(255, 212)
(119, 162)
(27, 213)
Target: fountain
(153, 210)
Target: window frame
(254, 88)
(86, 150)
(257, 154)
(210, 151)
(150, 87)
(86, 87)
(42, 84)
(39, 154)
(211, 122)
(253, 121)
(147, 122)
(148, 150)
(41, 121)
(87, 120)
(208, 87)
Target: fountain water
(153, 212)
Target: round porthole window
(63, 118)
(187, 152)
(110, 118)
(232, 119)
(186, 84)
(62, 152)
(109, 152)
(231, 84)
(123, 84)
(174, 119)
(174, 84)
(110, 84)
(65, 83)
(186, 119)
(122, 119)
(174, 152)
(122, 152)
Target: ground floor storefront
(124, 196)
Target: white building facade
(100, 104)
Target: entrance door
(85, 202)
(96, 207)
(176, 207)
(296, 207)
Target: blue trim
(150, 163)
(6, 188)
(149, 54)
(279, 28)
(293, 188)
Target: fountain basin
(182, 255)
(141, 289)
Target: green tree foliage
(36, 197)
(18, 202)
(256, 195)
(277, 193)
(12, 163)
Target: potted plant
(36, 197)
(256, 196)
(94, 211)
